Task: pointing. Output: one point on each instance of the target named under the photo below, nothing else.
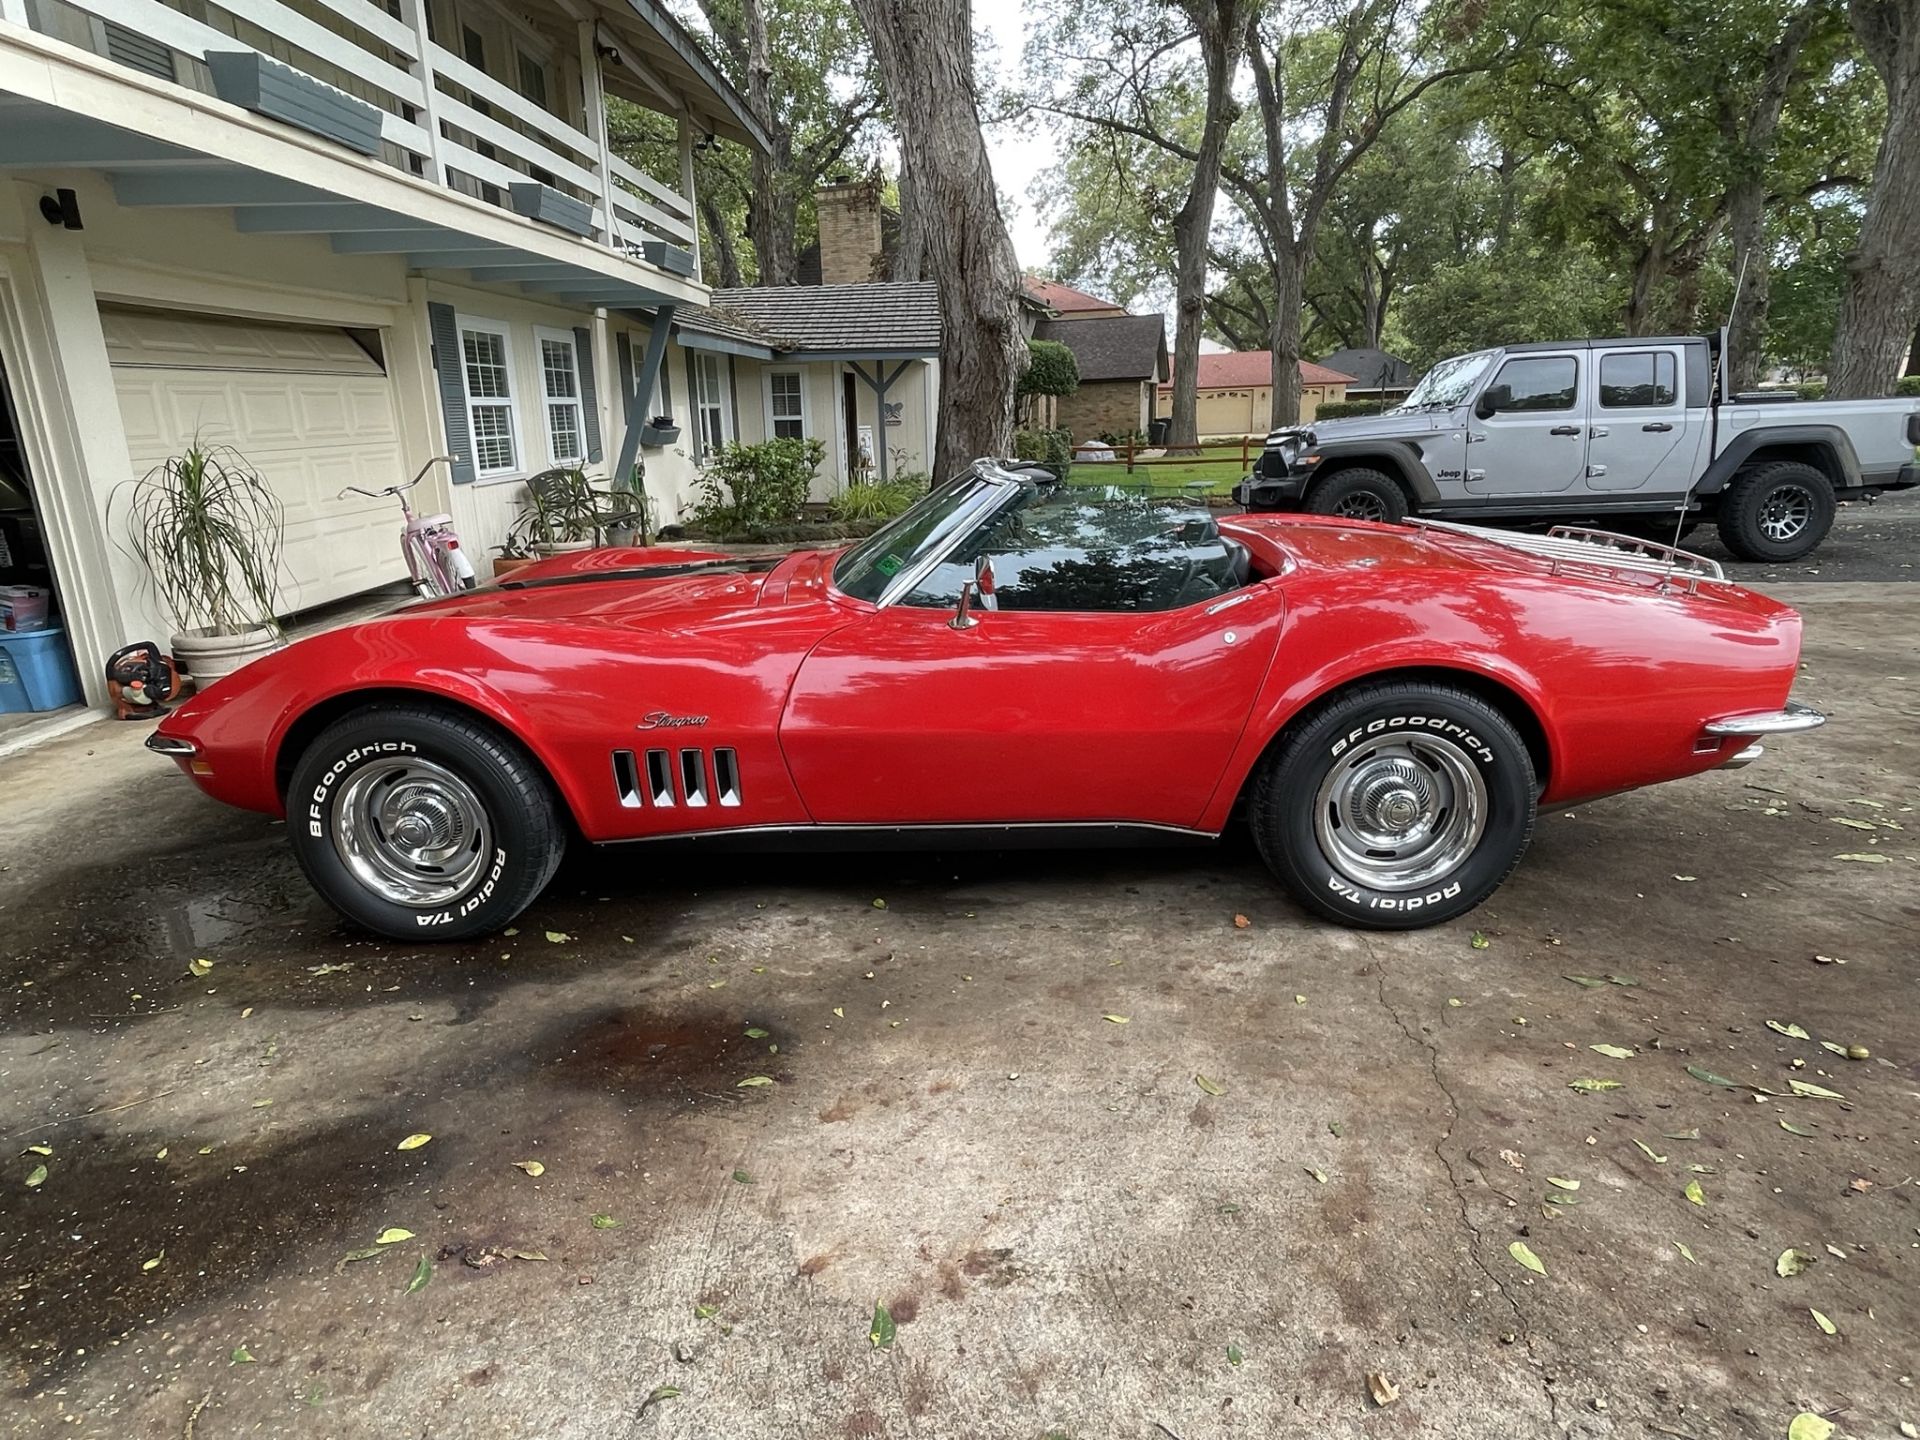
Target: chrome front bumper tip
(1743, 758)
(171, 745)
(1790, 721)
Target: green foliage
(1817, 389)
(208, 529)
(563, 506)
(1051, 370)
(1507, 298)
(1051, 448)
(878, 499)
(1346, 409)
(756, 484)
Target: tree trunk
(1913, 355)
(924, 50)
(1219, 27)
(721, 245)
(1752, 269)
(771, 213)
(1283, 335)
(1882, 300)
(910, 255)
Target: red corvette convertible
(1011, 660)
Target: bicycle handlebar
(396, 489)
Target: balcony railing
(440, 118)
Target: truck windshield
(1449, 382)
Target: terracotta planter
(560, 547)
(208, 657)
(504, 565)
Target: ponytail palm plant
(209, 530)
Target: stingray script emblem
(662, 720)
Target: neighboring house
(1123, 362)
(1066, 303)
(1376, 374)
(855, 366)
(340, 288)
(1234, 396)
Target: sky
(1018, 152)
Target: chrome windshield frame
(1001, 487)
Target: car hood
(1382, 427)
(614, 585)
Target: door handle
(1598, 432)
(1659, 425)
(1564, 430)
(1475, 439)
(1596, 470)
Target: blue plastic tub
(36, 672)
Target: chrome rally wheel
(1400, 813)
(411, 831)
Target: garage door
(308, 408)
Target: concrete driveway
(1302, 1159)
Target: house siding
(1106, 406)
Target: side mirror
(979, 588)
(983, 583)
(1485, 407)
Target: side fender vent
(668, 778)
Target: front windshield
(865, 571)
(1448, 383)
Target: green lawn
(1218, 467)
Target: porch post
(880, 382)
(685, 130)
(594, 95)
(414, 13)
(640, 391)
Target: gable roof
(1250, 369)
(1371, 369)
(1112, 347)
(1064, 299)
(686, 66)
(817, 321)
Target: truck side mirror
(1486, 406)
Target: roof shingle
(880, 319)
(1250, 369)
(1112, 347)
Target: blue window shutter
(589, 395)
(453, 389)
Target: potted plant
(512, 553)
(208, 529)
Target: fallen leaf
(525, 1255)
(1591, 982)
(414, 1141)
(1588, 1084)
(1319, 1175)
(716, 984)
(1383, 1390)
(1525, 1258)
(1865, 859)
(1687, 878)
(1117, 1019)
(36, 1177)
(1651, 1153)
(240, 1356)
(742, 1177)
(705, 1312)
(1793, 1129)
(659, 1393)
(1514, 1158)
(154, 1262)
(1212, 1087)
(1479, 941)
(1853, 824)
(1614, 1052)
(1698, 1073)
(38, 1150)
(754, 1032)
(261, 1104)
(1559, 1184)
(1836, 1252)
(1693, 1134)
(199, 968)
(1685, 1252)
(392, 1236)
(1299, 999)
(1826, 1326)
(1837, 1049)
(1789, 1029)
(1241, 922)
(880, 1333)
(604, 1222)
(751, 1082)
(1792, 1262)
(1808, 1426)
(1813, 1091)
(161, 1153)
(1910, 1430)
(841, 1011)
(879, 904)
(1333, 1129)
(532, 1167)
(558, 937)
(1695, 1193)
(422, 1273)
(1859, 1186)
(1235, 1354)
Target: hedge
(1345, 409)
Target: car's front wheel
(419, 822)
(1396, 805)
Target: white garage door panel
(307, 407)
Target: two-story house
(341, 236)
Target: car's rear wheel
(1358, 494)
(1776, 512)
(420, 822)
(1396, 805)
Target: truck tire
(1777, 511)
(1359, 494)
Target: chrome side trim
(1744, 758)
(1793, 719)
(975, 831)
(170, 745)
(1001, 486)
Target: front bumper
(1266, 492)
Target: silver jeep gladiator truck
(1636, 434)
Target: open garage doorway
(38, 678)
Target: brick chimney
(849, 231)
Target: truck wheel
(1776, 512)
(1359, 495)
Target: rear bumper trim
(1741, 759)
(171, 745)
(1794, 718)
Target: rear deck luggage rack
(1594, 549)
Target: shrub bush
(1051, 370)
(878, 499)
(1120, 439)
(1051, 448)
(764, 484)
(1344, 409)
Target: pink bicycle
(435, 562)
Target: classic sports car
(1013, 659)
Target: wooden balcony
(537, 144)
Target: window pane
(563, 431)
(493, 437)
(1529, 384)
(788, 429)
(486, 356)
(786, 395)
(1638, 379)
(556, 366)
